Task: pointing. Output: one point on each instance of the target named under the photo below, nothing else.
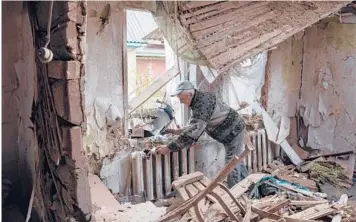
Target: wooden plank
(243, 186)
(148, 92)
(167, 174)
(331, 154)
(211, 12)
(342, 202)
(319, 214)
(305, 213)
(196, 4)
(187, 179)
(159, 179)
(248, 207)
(235, 52)
(278, 206)
(264, 214)
(231, 28)
(218, 47)
(216, 7)
(184, 162)
(307, 202)
(220, 19)
(288, 219)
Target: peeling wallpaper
(314, 73)
(328, 93)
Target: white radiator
(264, 153)
(155, 175)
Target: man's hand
(163, 149)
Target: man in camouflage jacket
(211, 115)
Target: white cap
(184, 85)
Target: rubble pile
(281, 193)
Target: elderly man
(220, 122)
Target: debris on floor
(130, 213)
(284, 194)
(107, 208)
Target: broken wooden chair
(211, 189)
(190, 185)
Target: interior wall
(284, 77)
(283, 81)
(328, 86)
(104, 98)
(18, 77)
(314, 73)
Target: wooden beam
(152, 89)
(136, 5)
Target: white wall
(328, 86)
(314, 73)
(103, 77)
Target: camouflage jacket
(211, 115)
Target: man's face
(185, 98)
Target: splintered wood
(289, 204)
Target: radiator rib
(155, 175)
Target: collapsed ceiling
(223, 33)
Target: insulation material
(328, 86)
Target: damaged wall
(18, 77)
(104, 83)
(313, 73)
(283, 72)
(283, 81)
(328, 86)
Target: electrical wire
(49, 23)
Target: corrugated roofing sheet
(139, 24)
